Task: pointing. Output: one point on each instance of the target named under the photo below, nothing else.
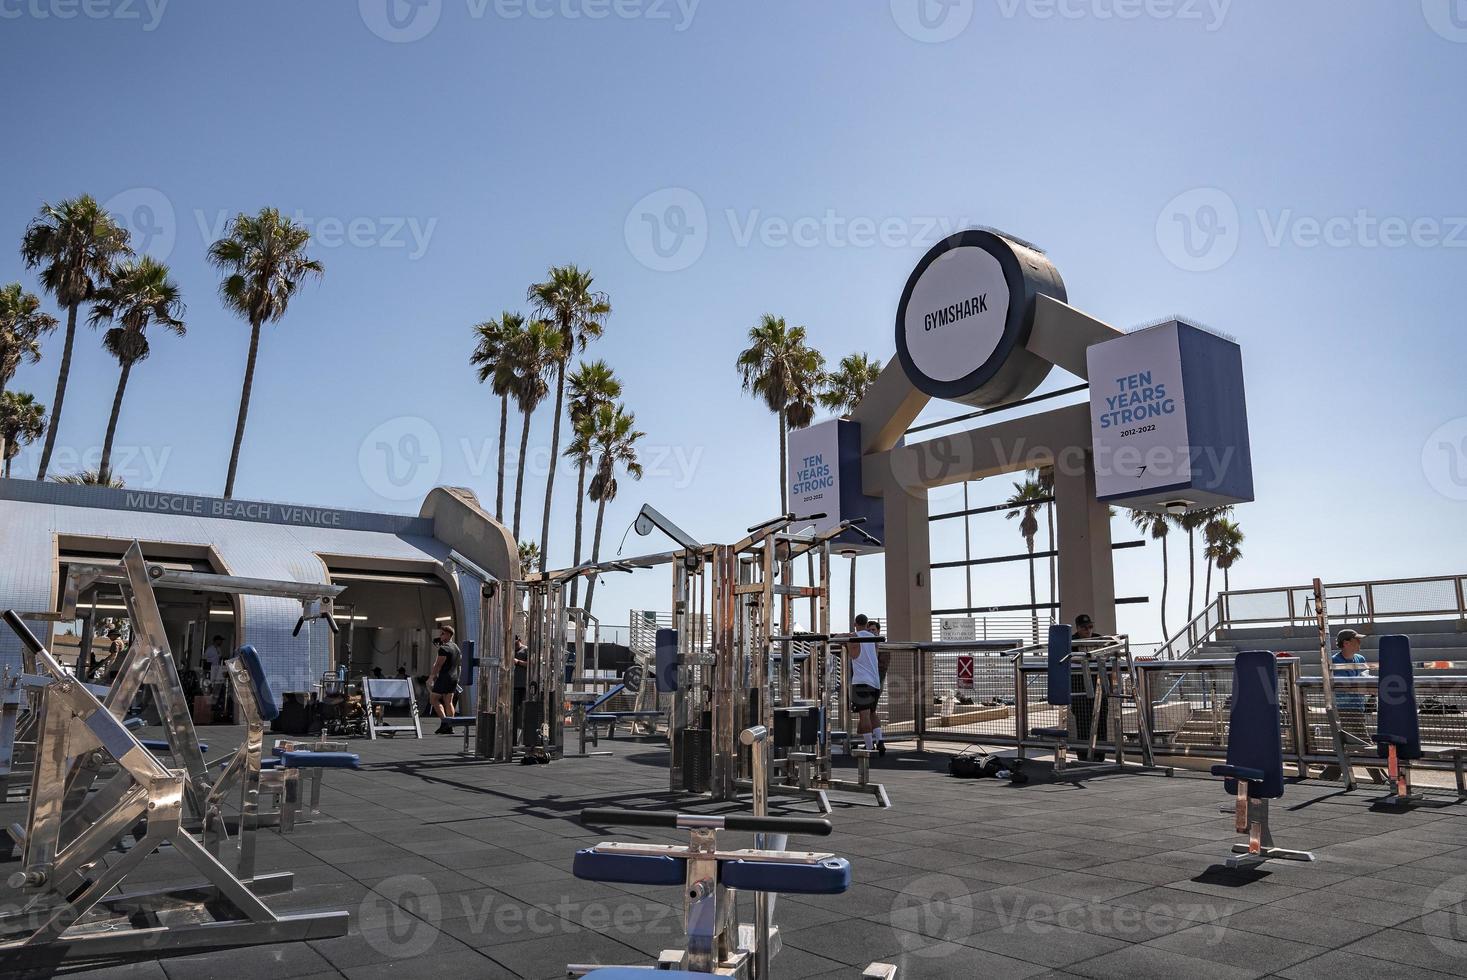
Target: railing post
(1021, 705)
(1461, 604)
(1370, 603)
(1301, 717)
(919, 688)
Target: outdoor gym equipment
(1254, 772)
(711, 878)
(1105, 667)
(1398, 724)
(71, 877)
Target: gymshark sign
(957, 311)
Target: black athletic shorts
(864, 698)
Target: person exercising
(443, 681)
(866, 685)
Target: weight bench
(1059, 695)
(1254, 772)
(278, 774)
(380, 693)
(710, 877)
(470, 722)
(1398, 725)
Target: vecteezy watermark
(401, 459)
(1444, 459)
(146, 13)
(399, 918)
(1445, 921)
(1447, 17)
(410, 235)
(149, 218)
(931, 910)
(404, 457)
(136, 467)
(932, 21)
(668, 230)
(492, 914)
(1199, 230)
(1210, 14)
(1040, 918)
(405, 21)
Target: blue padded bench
(1398, 723)
(1254, 771)
(829, 877)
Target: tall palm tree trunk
(1165, 581)
(1207, 588)
(104, 471)
(503, 435)
(580, 518)
(784, 468)
(519, 483)
(244, 408)
(1191, 575)
(554, 459)
(1033, 593)
(61, 377)
(595, 552)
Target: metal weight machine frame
(81, 739)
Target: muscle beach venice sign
(966, 314)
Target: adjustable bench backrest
(1396, 719)
(259, 685)
(1255, 738)
(382, 689)
(1061, 640)
(828, 877)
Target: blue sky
(445, 172)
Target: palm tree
(592, 385)
(1210, 531)
(1228, 549)
(612, 433)
(1190, 522)
(22, 421)
(76, 241)
(779, 368)
(849, 382)
(265, 262)
(529, 553)
(1024, 504)
(495, 337)
(534, 352)
(90, 478)
(1156, 527)
(567, 300)
(21, 328)
(844, 389)
(138, 294)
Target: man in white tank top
(866, 687)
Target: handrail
(1167, 651)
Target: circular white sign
(956, 315)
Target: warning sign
(965, 671)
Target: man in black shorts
(443, 681)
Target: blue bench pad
(630, 869)
(1239, 772)
(321, 760)
(830, 877)
(641, 973)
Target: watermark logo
(667, 231)
(149, 218)
(401, 21)
(1209, 13)
(401, 459)
(1444, 459)
(932, 21)
(933, 909)
(1448, 18)
(1199, 230)
(399, 917)
(1445, 921)
(147, 13)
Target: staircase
(1431, 640)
